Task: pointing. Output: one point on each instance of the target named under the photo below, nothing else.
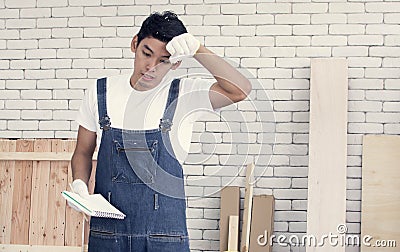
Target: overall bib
(134, 171)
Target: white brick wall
(50, 51)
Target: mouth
(147, 77)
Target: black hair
(162, 26)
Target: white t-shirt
(142, 110)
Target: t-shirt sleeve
(87, 112)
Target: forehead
(155, 45)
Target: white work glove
(79, 187)
(184, 45)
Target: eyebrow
(148, 48)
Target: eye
(165, 61)
(146, 54)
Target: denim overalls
(139, 174)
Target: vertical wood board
(327, 150)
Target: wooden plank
(230, 205)
(327, 150)
(37, 248)
(39, 156)
(73, 219)
(262, 223)
(21, 196)
(248, 202)
(6, 191)
(380, 206)
(39, 195)
(233, 235)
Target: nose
(151, 65)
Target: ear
(134, 44)
(176, 65)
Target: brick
(37, 134)
(365, 84)
(9, 13)
(22, 125)
(328, 18)
(72, 53)
(203, 30)
(25, 64)
(379, 117)
(53, 3)
(40, 53)
(291, 106)
(36, 94)
(35, 33)
(11, 74)
(151, 2)
(64, 115)
(393, 18)
(68, 94)
(278, 73)
(292, 19)
(202, 9)
(356, 116)
(36, 114)
(9, 34)
(291, 84)
(256, 41)
(382, 29)
(299, 161)
(238, 8)
(313, 51)
(86, 3)
(365, 40)
(12, 54)
(356, 95)
(54, 125)
(85, 42)
(105, 53)
(242, 52)
(256, 19)
(54, 43)
(382, 73)
(293, 194)
(301, 95)
(192, 20)
(100, 32)
(178, 9)
(273, 8)
(392, 129)
(4, 64)
(274, 182)
(88, 63)
(278, 52)
(98, 73)
(346, 29)
(379, 95)
(346, 7)
(20, 3)
(310, 7)
(257, 63)
(387, 51)
(35, 13)
(365, 106)
(52, 104)
(22, 44)
(52, 84)
(391, 84)
(71, 73)
(310, 29)
(117, 21)
(220, 20)
(364, 62)
(221, 41)
(67, 32)
(238, 31)
(39, 74)
(127, 31)
(67, 12)
(118, 63)
(363, 128)
(350, 51)
(20, 104)
(56, 63)
(84, 22)
(292, 127)
(276, 160)
(273, 30)
(383, 7)
(117, 2)
(133, 10)
(391, 62)
(301, 73)
(365, 18)
(301, 116)
(292, 41)
(20, 23)
(65, 134)
(329, 40)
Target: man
(143, 124)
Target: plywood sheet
(230, 204)
(327, 150)
(37, 248)
(380, 208)
(262, 223)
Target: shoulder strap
(170, 107)
(104, 119)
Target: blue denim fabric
(129, 173)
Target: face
(151, 63)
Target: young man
(142, 124)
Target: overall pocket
(135, 161)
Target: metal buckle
(105, 122)
(165, 125)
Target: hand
(79, 187)
(184, 45)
